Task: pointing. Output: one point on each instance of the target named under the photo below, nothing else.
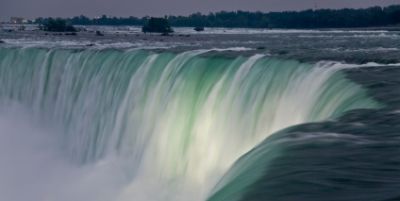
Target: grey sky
(64, 8)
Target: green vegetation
(56, 25)
(323, 18)
(157, 25)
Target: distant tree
(157, 25)
(307, 19)
(56, 25)
(81, 20)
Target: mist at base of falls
(38, 171)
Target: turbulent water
(86, 124)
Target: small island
(157, 25)
(199, 28)
(56, 25)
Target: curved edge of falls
(355, 157)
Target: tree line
(321, 18)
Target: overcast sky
(139, 8)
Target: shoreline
(342, 45)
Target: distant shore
(31, 27)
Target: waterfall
(177, 120)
